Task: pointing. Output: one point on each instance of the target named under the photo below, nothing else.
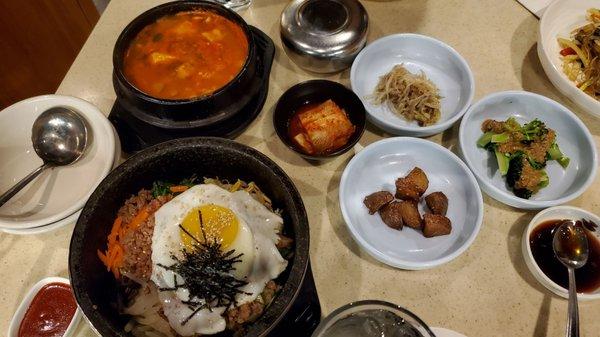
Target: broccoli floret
(491, 147)
(503, 161)
(512, 125)
(485, 139)
(522, 193)
(555, 153)
(515, 169)
(534, 129)
(535, 164)
(545, 180)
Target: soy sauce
(587, 277)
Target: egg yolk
(218, 223)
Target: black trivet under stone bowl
(136, 134)
(305, 313)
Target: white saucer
(46, 228)
(441, 332)
(58, 193)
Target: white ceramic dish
(442, 332)
(45, 228)
(573, 137)
(15, 323)
(376, 168)
(59, 192)
(440, 63)
(559, 20)
(71, 219)
(559, 212)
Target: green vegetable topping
(160, 188)
(503, 162)
(500, 138)
(555, 153)
(522, 150)
(485, 139)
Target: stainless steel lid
(324, 28)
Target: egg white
(256, 240)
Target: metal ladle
(59, 138)
(571, 248)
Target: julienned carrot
(118, 257)
(116, 273)
(114, 232)
(138, 219)
(113, 257)
(103, 258)
(108, 257)
(178, 188)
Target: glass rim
(326, 322)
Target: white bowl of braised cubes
(410, 203)
(526, 150)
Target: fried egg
(238, 222)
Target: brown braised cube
(391, 214)
(377, 200)
(436, 225)
(410, 214)
(419, 179)
(406, 190)
(437, 203)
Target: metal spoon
(571, 248)
(59, 137)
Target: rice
(137, 263)
(147, 318)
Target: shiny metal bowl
(324, 36)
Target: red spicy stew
(186, 55)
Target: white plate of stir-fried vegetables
(569, 50)
(527, 150)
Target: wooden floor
(39, 40)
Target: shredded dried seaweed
(206, 272)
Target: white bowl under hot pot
(573, 137)
(443, 65)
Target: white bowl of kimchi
(560, 19)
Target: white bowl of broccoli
(526, 150)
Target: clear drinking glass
(419, 327)
(236, 5)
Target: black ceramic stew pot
(184, 113)
(96, 290)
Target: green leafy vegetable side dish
(522, 152)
